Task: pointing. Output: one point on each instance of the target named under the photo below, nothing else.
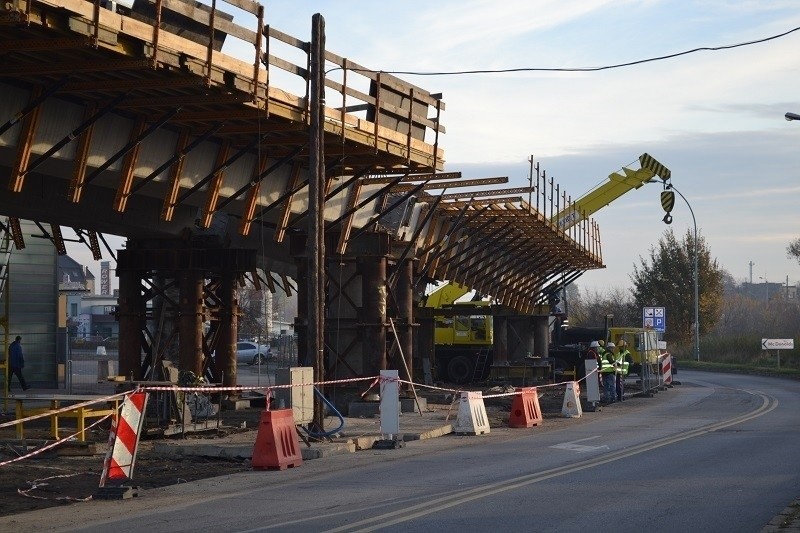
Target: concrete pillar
(404, 295)
(373, 313)
(228, 330)
(541, 335)
(190, 323)
(500, 339)
(301, 320)
(131, 322)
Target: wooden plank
(252, 197)
(25, 144)
(81, 157)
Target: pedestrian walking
(16, 362)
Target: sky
(714, 118)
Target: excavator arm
(446, 294)
(617, 185)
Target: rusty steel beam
(101, 86)
(216, 184)
(481, 182)
(33, 104)
(25, 143)
(35, 45)
(176, 163)
(291, 184)
(407, 178)
(252, 199)
(128, 166)
(182, 149)
(132, 144)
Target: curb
(328, 449)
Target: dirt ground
(72, 472)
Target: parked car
(252, 353)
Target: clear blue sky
(715, 118)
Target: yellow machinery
(463, 337)
(618, 184)
(463, 341)
(642, 343)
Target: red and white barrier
(124, 439)
(666, 369)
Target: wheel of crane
(460, 369)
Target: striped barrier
(124, 439)
(666, 369)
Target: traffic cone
(571, 408)
(276, 443)
(525, 410)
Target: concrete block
(239, 404)
(409, 405)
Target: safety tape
(62, 409)
(243, 388)
(54, 444)
(36, 483)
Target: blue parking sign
(655, 318)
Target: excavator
(463, 340)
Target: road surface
(717, 453)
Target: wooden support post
(316, 227)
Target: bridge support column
(373, 312)
(541, 335)
(131, 316)
(228, 330)
(404, 296)
(190, 323)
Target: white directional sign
(655, 318)
(777, 344)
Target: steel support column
(190, 323)
(500, 339)
(404, 296)
(228, 330)
(373, 313)
(541, 335)
(131, 318)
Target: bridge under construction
(315, 175)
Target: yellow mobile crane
(463, 342)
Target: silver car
(252, 353)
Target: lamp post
(696, 272)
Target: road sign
(777, 344)
(655, 318)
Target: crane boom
(617, 185)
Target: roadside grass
(739, 354)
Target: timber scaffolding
(199, 134)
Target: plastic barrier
(472, 419)
(666, 369)
(124, 439)
(571, 408)
(276, 443)
(525, 410)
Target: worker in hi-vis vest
(608, 370)
(622, 363)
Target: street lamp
(792, 116)
(667, 220)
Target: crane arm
(617, 185)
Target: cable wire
(580, 69)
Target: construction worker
(622, 363)
(608, 371)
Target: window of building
(73, 309)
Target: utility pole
(315, 246)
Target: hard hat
(594, 344)
(610, 345)
(623, 343)
(601, 342)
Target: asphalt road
(717, 453)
